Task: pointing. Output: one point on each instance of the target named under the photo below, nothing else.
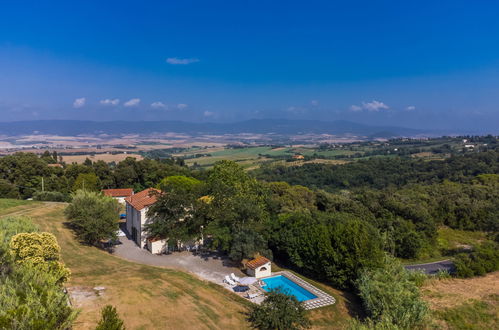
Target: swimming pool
(287, 286)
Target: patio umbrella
(247, 280)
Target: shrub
(484, 259)
(110, 319)
(389, 293)
(33, 299)
(41, 251)
(51, 196)
(93, 216)
(279, 312)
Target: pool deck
(323, 299)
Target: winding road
(432, 268)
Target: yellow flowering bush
(41, 250)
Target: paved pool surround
(322, 299)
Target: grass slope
(146, 297)
(149, 297)
(464, 303)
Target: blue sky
(431, 64)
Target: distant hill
(259, 126)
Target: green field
(251, 157)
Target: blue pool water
(287, 286)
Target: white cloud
(181, 61)
(132, 103)
(374, 106)
(410, 108)
(208, 114)
(370, 106)
(110, 102)
(80, 102)
(182, 106)
(314, 103)
(158, 105)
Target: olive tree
(93, 216)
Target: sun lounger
(252, 295)
(234, 277)
(229, 281)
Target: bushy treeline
(330, 236)
(21, 175)
(380, 173)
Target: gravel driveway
(211, 267)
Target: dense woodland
(336, 223)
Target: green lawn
(6, 204)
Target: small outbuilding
(259, 267)
(157, 245)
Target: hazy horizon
(416, 65)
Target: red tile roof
(257, 262)
(118, 192)
(143, 199)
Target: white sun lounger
(229, 281)
(252, 295)
(234, 277)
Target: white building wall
(263, 271)
(157, 247)
(121, 200)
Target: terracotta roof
(143, 199)
(257, 262)
(118, 192)
(55, 165)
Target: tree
(110, 319)
(279, 311)
(237, 201)
(93, 216)
(179, 183)
(8, 190)
(389, 292)
(246, 242)
(40, 250)
(87, 181)
(330, 246)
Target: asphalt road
(433, 268)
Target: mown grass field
(149, 297)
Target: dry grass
(146, 297)
(105, 157)
(452, 292)
(149, 297)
